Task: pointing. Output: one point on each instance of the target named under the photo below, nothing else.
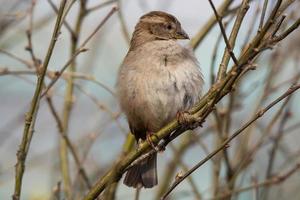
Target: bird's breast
(160, 82)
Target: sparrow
(158, 79)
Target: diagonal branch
(198, 38)
(200, 111)
(232, 38)
(228, 45)
(271, 181)
(224, 145)
(79, 50)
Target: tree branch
(258, 115)
(31, 114)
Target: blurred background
(98, 129)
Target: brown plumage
(157, 79)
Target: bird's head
(158, 25)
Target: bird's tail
(143, 174)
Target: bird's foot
(187, 119)
(150, 142)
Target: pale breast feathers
(156, 81)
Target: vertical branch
(263, 14)
(36, 63)
(230, 43)
(68, 103)
(227, 42)
(31, 114)
(110, 192)
(228, 52)
(214, 54)
(275, 147)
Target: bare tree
(247, 117)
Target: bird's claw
(150, 142)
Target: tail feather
(143, 174)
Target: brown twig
(223, 123)
(66, 24)
(283, 35)
(80, 49)
(263, 14)
(53, 74)
(278, 25)
(200, 111)
(229, 139)
(214, 54)
(276, 179)
(276, 142)
(230, 43)
(191, 182)
(228, 46)
(198, 38)
(21, 60)
(251, 25)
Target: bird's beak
(181, 34)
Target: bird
(158, 79)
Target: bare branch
(219, 19)
(258, 115)
(31, 115)
(79, 50)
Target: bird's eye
(169, 26)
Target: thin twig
(263, 14)
(31, 115)
(274, 149)
(68, 107)
(228, 46)
(278, 25)
(283, 35)
(258, 115)
(201, 110)
(80, 49)
(191, 182)
(198, 38)
(65, 76)
(271, 181)
(214, 54)
(21, 60)
(67, 25)
(230, 43)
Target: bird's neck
(140, 36)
